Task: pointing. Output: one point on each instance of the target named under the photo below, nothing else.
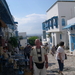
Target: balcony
(50, 24)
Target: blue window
(43, 26)
(60, 36)
(48, 25)
(63, 22)
(44, 34)
(54, 22)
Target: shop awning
(69, 26)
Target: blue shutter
(60, 36)
(44, 34)
(52, 23)
(48, 24)
(43, 26)
(63, 22)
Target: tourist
(39, 58)
(60, 56)
(27, 50)
(53, 50)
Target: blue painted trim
(69, 26)
(72, 34)
(60, 36)
(43, 26)
(44, 34)
(15, 22)
(46, 25)
(52, 23)
(72, 42)
(63, 22)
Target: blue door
(72, 42)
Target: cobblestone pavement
(69, 65)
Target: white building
(23, 41)
(71, 34)
(57, 16)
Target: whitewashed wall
(53, 11)
(66, 11)
(23, 42)
(22, 34)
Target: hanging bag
(65, 56)
(39, 65)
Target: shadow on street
(51, 64)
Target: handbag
(65, 56)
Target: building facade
(7, 24)
(57, 16)
(71, 34)
(23, 40)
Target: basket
(28, 72)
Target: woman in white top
(60, 56)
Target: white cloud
(31, 24)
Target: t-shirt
(60, 50)
(34, 54)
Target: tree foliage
(31, 40)
(20, 37)
(13, 41)
(49, 35)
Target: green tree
(49, 35)
(13, 41)
(20, 37)
(31, 40)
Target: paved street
(69, 66)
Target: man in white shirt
(39, 57)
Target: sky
(30, 14)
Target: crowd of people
(38, 60)
(38, 56)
